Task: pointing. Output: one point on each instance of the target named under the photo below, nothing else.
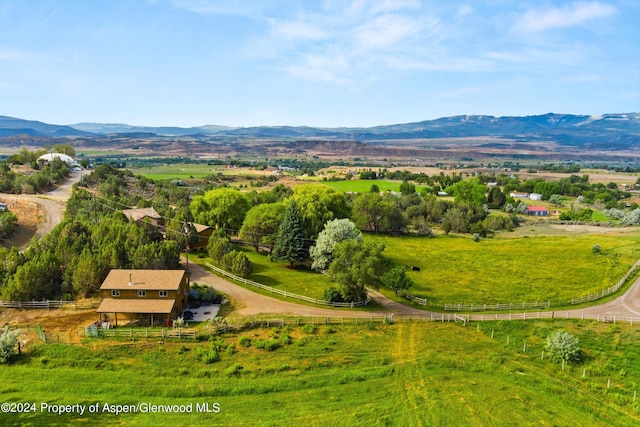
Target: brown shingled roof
(150, 280)
(130, 305)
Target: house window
(142, 293)
(164, 293)
(115, 293)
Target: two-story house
(145, 297)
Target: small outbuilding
(537, 211)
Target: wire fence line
(509, 306)
(610, 290)
(285, 293)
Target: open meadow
(513, 268)
(323, 375)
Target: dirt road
(248, 303)
(53, 202)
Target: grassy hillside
(358, 375)
(455, 269)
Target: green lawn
(355, 375)
(184, 171)
(363, 186)
(279, 275)
(455, 269)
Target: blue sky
(324, 63)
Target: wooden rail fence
(285, 293)
(485, 307)
(610, 290)
(49, 304)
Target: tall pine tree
(290, 243)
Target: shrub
(596, 249)
(244, 341)
(309, 329)
(269, 345)
(208, 356)
(8, 342)
(333, 294)
(563, 346)
(234, 370)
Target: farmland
(365, 374)
(556, 268)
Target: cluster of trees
(8, 223)
(77, 255)
(41, 179)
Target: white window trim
(115, 293)
(142, 294)
(163, 294)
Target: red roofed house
(537, 211)
(146, 297)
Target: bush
(209, 356)
(269, 345)
(596, 249)
(244, 341)
(309, 329)
(333, 294)
(234, 370)
(563, 346)
(8, 342)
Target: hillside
(606, 132)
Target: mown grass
(280, 275)
(186, 171)
(455, 269)
(357, 375)
(364, 185)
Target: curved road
(246, 302)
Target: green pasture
(364, 185)
(356, 375)
(183, 171)
(280, 275)
(455, 269)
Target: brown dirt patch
(30, 215)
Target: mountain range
(609, 131)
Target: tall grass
(360, 375)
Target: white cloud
(577, 13)
(464, 10)
(297, 30)
(220, 7)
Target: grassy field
(455, 269)
(279, 275)
(363, 186)
(357, 375)
(187, 171)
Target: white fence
(509, 306)
(413, 298)
(605, 292)
(285, 293)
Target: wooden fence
(413, 298)
(140, 333)
(605, 292)
(485, 307)
(285, 293)
(49, 304)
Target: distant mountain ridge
(615, 131)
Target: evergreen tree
(290, 244)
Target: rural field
(511, 269)
(354, 374)
(364, 185)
